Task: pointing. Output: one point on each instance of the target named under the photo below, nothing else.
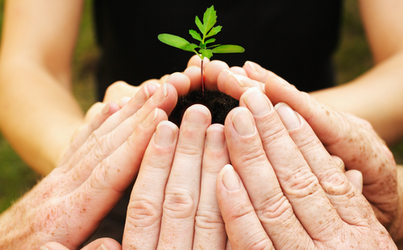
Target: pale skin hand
(68, 204)
(348, 137)
(290, 193)
(173, 202)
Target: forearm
(38, 116)
(375, 96)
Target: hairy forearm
(38, 116)
(375, 96)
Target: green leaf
(228, 49)
(199, 25)
(214, 31)
(206, 53)
(209, 19)
(195, 35)
(177, 42)
(212, 40)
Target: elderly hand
(68, 204)
(173, 202)
(290, 193)
(350, 138)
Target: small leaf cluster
(207, 30)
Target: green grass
(352, 59)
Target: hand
(68, 205)
(173, 202)
(290, 192)
(350, 138)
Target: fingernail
(102, 247)
(256, 101)
(251, 65)
(230, 179)
(196, 115)
(105, 109)
(151, 88)
(165, 134)
(161, 93)
(243, 122)
(150, 118)
(288, 116)
(215, 138)
(124, 101)
(238, 79)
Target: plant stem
(202, 78)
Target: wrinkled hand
(350, 138)
(290, 193)
(173, 202)
(68, 204)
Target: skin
(100, 164)
(173, 202)
(286, 181)
(38, 40)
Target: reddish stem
(201, 74)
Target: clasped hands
(283, 190)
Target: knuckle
(103, 147)
(300, 184)
(209, 220)
(336, 183)
(143, 213)
(275, 207)
(179, 204)
(262, 244)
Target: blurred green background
(352, 59)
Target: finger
(346, 200)
(235, 84)
(134, 104)
(209, 227)
(112, 176)
(350, 138)
(211, 73)
(119, 89)
(183, 188)
(104, 111)
(339, 162)
(298, 182)
(242, 224)
(99, 244)
(272, 207)
(355, 177)
(102, 143)
(181, 82)
(144, 211)
(238, 70)
(196, 61)
(256, 72)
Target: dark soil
(217, 102)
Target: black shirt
(295, 39)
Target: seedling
(205, 48)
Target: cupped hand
(287, 192)
(68, 204)
(352, 139)
(173, 202)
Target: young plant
(205, 47)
